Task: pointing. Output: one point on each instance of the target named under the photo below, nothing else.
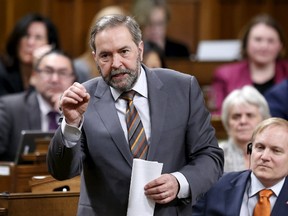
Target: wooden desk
(45, 184)
(15, 178)
(39, 204)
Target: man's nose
(265, 154)
(117, 61)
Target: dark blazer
(232, 76)
(175, 49)
(277, 98)
(17, 112)
(182, 138)
(10, 82)
(225, 197)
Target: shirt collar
(44, 106)
(256, 186)
(140, 86)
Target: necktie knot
(263, 207)
(265, 193)
(129, 95)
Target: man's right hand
(73, 103)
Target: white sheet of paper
(142, 172)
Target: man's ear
(141, 50)
(94, 55)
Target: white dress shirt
(250, 197)
(45, 108)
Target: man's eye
(125, 52)
(104, 57)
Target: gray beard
(128, 82)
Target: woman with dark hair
(153, 55)
(263, 61)
(30, 33)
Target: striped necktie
(136, 134)
(263, 207)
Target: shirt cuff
(184, 191)
(71, 133)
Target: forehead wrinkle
(119, 34)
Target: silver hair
(115, 20)
(246, 95)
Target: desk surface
(39, 204)
(15, 178)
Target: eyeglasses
(49, 72)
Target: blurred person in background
(32, 35)
(153, 55)
(153, 17)
(262, 65)
(242, 110)
(35, 108)
(277, 98)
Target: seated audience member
(31, 33)
(30, 110)
(153, 55)
(262, 64)
(277, 98)
(85, 65)
(242, 110)
(153, 17)
(239, 193)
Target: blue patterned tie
(136, 134)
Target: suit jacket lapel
(157, 105)
(104, 104)
(281, 205)
(234, 195)
(32, 111)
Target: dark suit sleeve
(5, 123)
(206, 158)
(63, 163)
(199, 208)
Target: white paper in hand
(142, 172)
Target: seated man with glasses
(32, 110)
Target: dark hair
(269, 21)
(150, 46)
(110, 21)
(58, 52)
(20, 30)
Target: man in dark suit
(53, 73)
(93, 139)
(236, 193)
